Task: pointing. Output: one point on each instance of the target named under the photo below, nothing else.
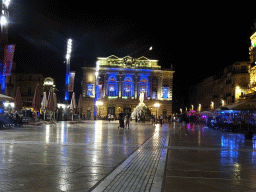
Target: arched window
(143, 86)
(128, 87)
(112, 86)
(89, 89)
(165, 92)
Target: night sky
(197, 40)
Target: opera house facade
(115, 86)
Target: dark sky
(198, 40)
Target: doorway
(111, 110)
(88, 114)
(127, 110)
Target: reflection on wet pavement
(209, 160)
(77, 157)
(64, 156)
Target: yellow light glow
(99, 103)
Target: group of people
(124, 120)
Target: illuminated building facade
(48, 84)
(234, 84)
(117, 83)
(27, 84)
(225, 88)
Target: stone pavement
(143, 170)
(209, 160)
(96, 156)
(66, 156)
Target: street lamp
(68, 56)
(3, 20)
(199, 107)
(3, 40)
(156, 105)
(6, 3)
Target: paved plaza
(97, 156)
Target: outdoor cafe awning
(242, 106)
(6, 98)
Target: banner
(71, 81)
(8, 59)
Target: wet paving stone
(209, 160)
(65, 157)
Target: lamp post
(4, 39)
(69, 50)
(96, 89)
(156, 105)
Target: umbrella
(245, 106)
(6, 98)
(18, 103)
(54, 103)
(44, 103)
(50, 103)
(73, 104)
(79, 105)
(36, 100)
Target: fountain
(141, 108)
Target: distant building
(27, 84)
(235, 83)
(116, 84)
(224, 88)
(48, 84)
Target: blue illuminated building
(118, 83)
(128, 87)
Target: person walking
(109, 117)
(161, 120)
(127, 122)
(121, 120)
(184, 119)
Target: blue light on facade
(128, 89)
(66, 96)
(3, 80)
(66, 91)
(143, 85)
(89, 89)
(165, 92)
(112, 85)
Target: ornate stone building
(236, 83)
(115, 84)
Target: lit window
(112, 86)
(144, 87)
(128, 87)
(165, 92)
(89, 89)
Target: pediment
(112, 57)
(143, 58)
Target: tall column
(120, 86)
(136, 87)
(105, 85)
(159, 83)
(150, 86)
